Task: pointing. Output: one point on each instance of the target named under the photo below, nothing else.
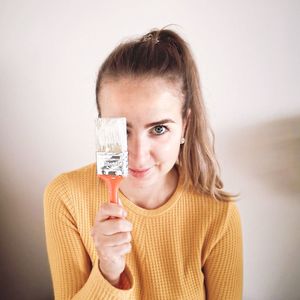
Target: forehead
(146, 96)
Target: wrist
(113, 280)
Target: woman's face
(155, 127)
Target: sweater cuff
(99, 288)
(126, 280)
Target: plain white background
(248, 58)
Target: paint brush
(111, 153)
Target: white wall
(248, 58)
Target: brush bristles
(111, 135)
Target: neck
(151, 197)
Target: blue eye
(159, 129)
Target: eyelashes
(159, 129)
(156, 130)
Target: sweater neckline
(156, 211)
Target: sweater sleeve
(223, 268)
(72, 271)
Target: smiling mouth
(139, 173)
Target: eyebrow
(161, 122)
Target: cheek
(167, 148)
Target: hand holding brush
(112, 235)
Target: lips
(139, 173)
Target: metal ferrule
(109, 163)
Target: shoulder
(65, 186)
(222, 220)
(85, 173)
(213, 214)
(216, 221)
(221, 209)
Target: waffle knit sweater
(189, 248)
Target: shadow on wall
(266, 159)
(271, 151)
(24, 269)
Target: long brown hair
(163, 53)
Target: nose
(138, 151)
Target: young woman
(177, 234)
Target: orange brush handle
(112, 183)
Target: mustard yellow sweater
(189, 248)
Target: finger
(113, 226)
(116, 239)
(111, 253)
(121, 249)
(108, 210)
